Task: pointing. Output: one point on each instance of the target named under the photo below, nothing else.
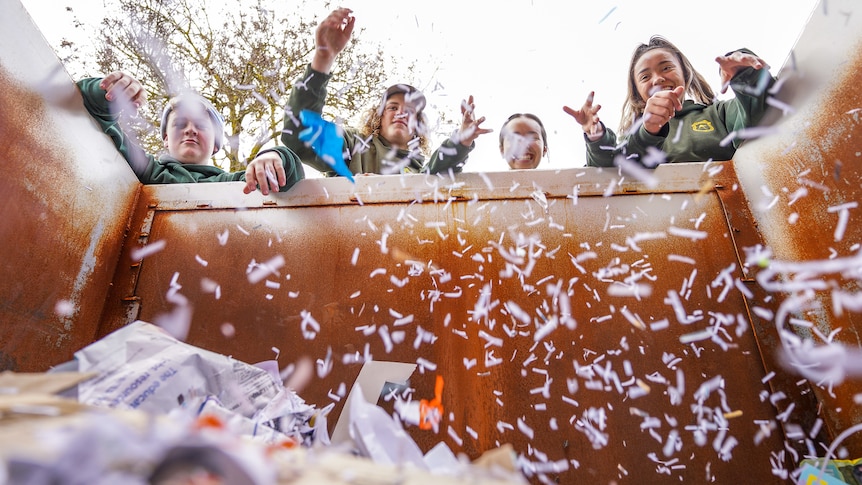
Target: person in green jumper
(192, 130)
(659, 125)
(393, 138)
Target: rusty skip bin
(568, 312)
(605, 326)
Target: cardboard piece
(369, 383)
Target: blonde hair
(696, 85)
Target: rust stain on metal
(52, 239)
(447, 285)
(828, 157)
(27, 288)
(825, 163)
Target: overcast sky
(533, 55)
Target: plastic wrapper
(142, 367)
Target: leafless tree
(243, 59)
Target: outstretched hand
(661, 107)
(588, 117)
(730, 65)
(122, 88)
(470, 126)
(331, 38)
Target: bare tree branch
(244, 60)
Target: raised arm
(453, 152)
(731, 64)
(104, 98)
(600, 141)
(309, 92)
(749, 78)
(588, 118)
(331, 38)
(124, 89)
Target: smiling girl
(670, 113)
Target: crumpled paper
(141, 367)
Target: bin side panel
(607, 335)
(805, 183)
(65, 201)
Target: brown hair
(695, 84)
(371, 121)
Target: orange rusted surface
(465, 284)
(64, 202)
(805, 183)
(606, 327)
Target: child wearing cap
(192, 131)
(393, 138)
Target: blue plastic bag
(324, 137)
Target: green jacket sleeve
(293, 171)
(751, 89)
(168, 170)
(600, 153)
(308, 92)
(450, 155)
(141, 162)
(641, 140)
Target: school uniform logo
(702, 126)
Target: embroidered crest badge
(702, 126)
